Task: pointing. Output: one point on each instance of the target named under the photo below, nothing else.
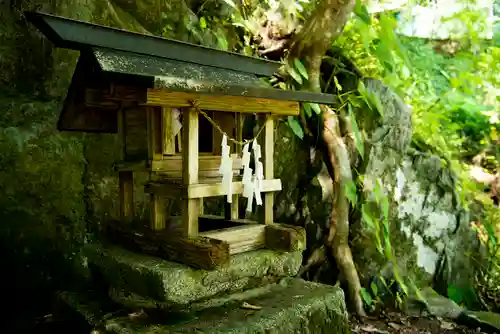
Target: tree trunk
(325, 24)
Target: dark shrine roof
(168, 63)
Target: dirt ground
(392, 322)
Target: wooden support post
(231, 210)
(267, 142)
(191, 207)
(158, 212)
(154, 133)
(126, 180)
(168, 138)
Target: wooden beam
(191, 206)
(240, 238)
(198, 252)
(202, 190)
(285, 238)
(268, 162)
(174, 163)
(126, 181)
(239, 104)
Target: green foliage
(486, 286)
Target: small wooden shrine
(178, 109)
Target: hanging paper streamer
(245, 160)
(258, 198)
(247, 172)
(249, 196)
(176, 123)
(226, 169)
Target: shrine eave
(78, 35)
(166, 63)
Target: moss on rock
(175, 283)
(293, 306)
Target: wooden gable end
(77, 114)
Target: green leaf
(316, 108)
(203, 23)
(301, 68)
(358, 138)
(307, 109)
(231, 4)
(366, 216)
(454, 294)
(385, 207)
(366, 297)
(339, 87)
(374, 288)
(295, 126)
(362, 12)
(350, 192)
(295, 75)
(221, 39)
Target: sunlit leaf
(221, 39)
(362, 12)
(295, 126)
(203, 23)
(339, 87)
(231, 3)
(316, 108)
(366, 297)
(301, 68)
(350, 192)
(295, 75)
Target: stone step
(173, 283)
(292, 306)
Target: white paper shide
(252, 183)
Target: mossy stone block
(175, 283)
(293, 306)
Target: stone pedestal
(173, 283)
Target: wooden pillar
(190, 207)
(158, 211)
(126, 181)
(235, 205)
(267, 142)
(168, 138)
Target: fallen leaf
(394, 325)
(250, 306)
(447, 325)
(137, 315)
(373, 329)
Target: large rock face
(428, 223)
(429, 230)
(54, 185)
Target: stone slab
(292, 306)
(174, 283)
